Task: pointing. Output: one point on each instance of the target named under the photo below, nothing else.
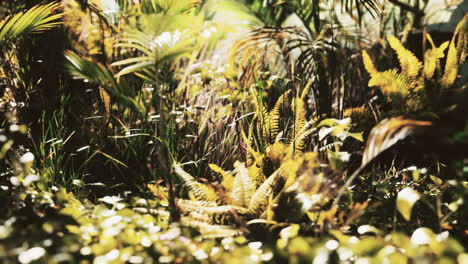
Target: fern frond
(330, 146)
(262, 117)
(299, 117)
(306, 90)
(198, 190)
(259, 199)
(299, 143)
(257, 175)
(228, 179)
(252, 155)
(391, 83)
(274, 115)
(243, 187)
(105, 98)
(410, 65)
(158, 191)
(368, 64)
(432, 57)
(207, 208)
(457, 47)
(451, 66)
(356, 113)
(209, 230)
(190, 205)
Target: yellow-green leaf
(405, 201)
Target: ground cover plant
(233, 131)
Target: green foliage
(230, 132)
(36, 19)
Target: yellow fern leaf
(432, 57)
(455, 56)
(158, 191)
(257, 175)
(299, 116)
(198, 190)
(243, 187)
(259, 199)
(105, 97)
(209, 230)
(252, 155)
(451, 66)
(410, 65)
(307, 88)
(228, 179)
(368, 64)
(390, 82)
(274, 115)
(356, 113)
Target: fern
(198, 190)
(410, 65)
(228, 179)
(274, 115)
(243, 187)
(259, 200)
(454, 56)
(432, 57)
(210, 230)
(406, 89)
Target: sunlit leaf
(405, 201)
(387, 133)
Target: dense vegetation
(233, 131)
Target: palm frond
(36, 19)
(155, 51)
(97, 73)
(387, 133)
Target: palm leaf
(97, 73)
(387, 133)
(156, 51)
(36, 19)
(383, 136)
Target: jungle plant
(283, 132)
(242, 198)
(13, 29)
(420, 87)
